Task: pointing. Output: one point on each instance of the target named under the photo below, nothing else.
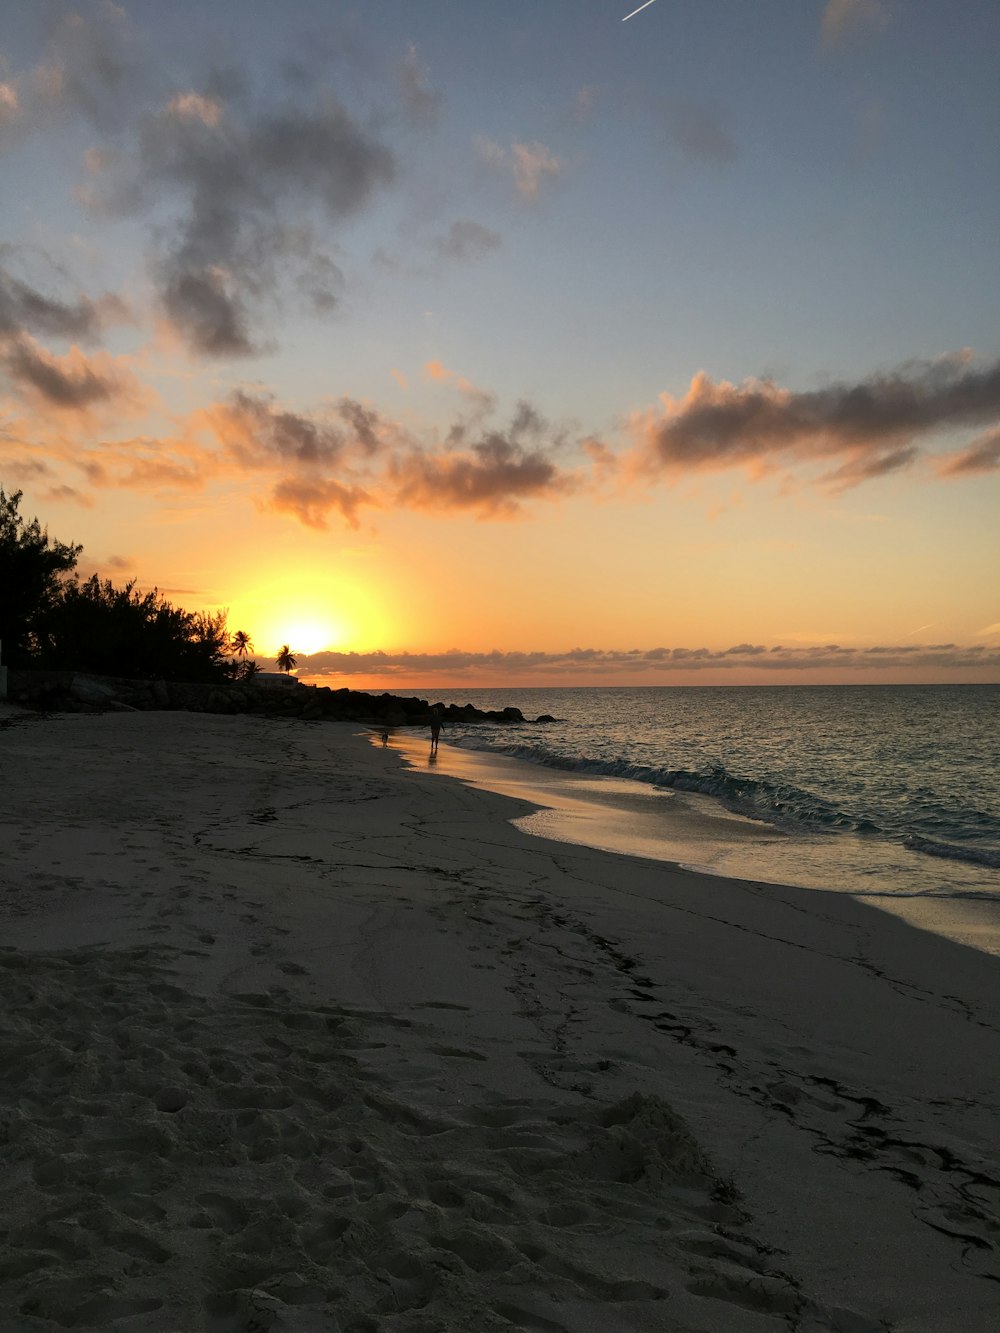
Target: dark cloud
(209, 309)
(350, 456)
(873, 423)
(492, 475)
(259, 433)
(595, 661)
(62, 382)
(467, 240)
(982, 455)
(699, 133)
(93, 63)
(310, 499)
(68, 495)
(365, 424)
(323, 462)
(237, 173)
(23, 308)
(90, 67)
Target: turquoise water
(880, 790)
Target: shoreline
(325, 1040)
(694, 832)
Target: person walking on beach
(435, 733)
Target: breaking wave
(784, 805)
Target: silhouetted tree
(32, 567)
(286, 659)
(242, 643)
(112, 631)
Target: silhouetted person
(385, 738)
(435, 733)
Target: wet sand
(698, 833)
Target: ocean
(887, 792)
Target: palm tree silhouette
(242, 643)
(286, 659)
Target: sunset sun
(307, 635)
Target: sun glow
(305, 636)
(306, 612)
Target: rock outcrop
(69, 691)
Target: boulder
(89, 691)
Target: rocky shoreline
(79, 692)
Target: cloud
(193, 105)
(72, 382)
(532, 163)
(310, 499)
(982, 455)
(24, 308)
(492, 475)
(243, 189)
(322, 463)
(93, 65)
(583, 104)
(483, 402)
(238, 175)
(350, 456)
(871, 424)
(90, 67)
(528, 163)
(421, 101)
(10, 104)
(844, 19)
(654, 661)
(467, 240)
(699, 133)
(258, 434)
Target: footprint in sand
(456, 1053)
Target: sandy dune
(296, 1039)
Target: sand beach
(296, 1038)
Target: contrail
(636, 11)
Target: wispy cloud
(982, 455)
(529, 164)
(467, 240)
(699, 133)
(422, 101)
(26, 308)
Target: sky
(461, 343)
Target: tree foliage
(50, 618)
(32, 572)
(286, 660)
(124, 632)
